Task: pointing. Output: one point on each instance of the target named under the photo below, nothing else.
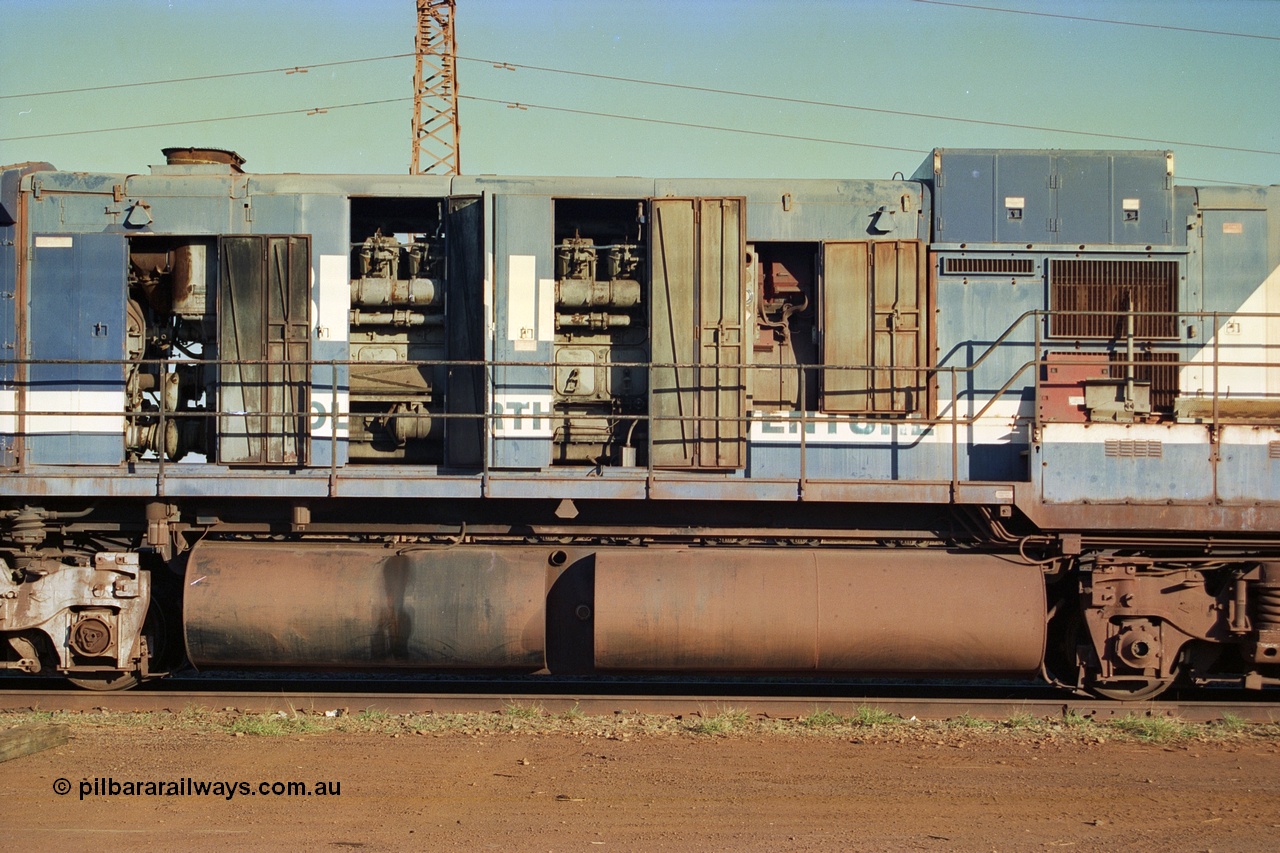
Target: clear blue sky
(941, 59)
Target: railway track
(472, 697)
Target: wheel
(105, 681)
(162, 640)
(1132, 690)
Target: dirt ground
(893, 789)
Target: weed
(271, 725)
(524, 712)
(868, 716)
(821, 719)
(724, 722)
(1021, 720)
(1152, 729)
(966, 721)
(1072, 720)
(1231, 723)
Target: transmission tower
(435, 91)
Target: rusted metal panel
(1062, 382)
(673, 253)
(874, 314)
(722, 356)
(698, 333)
(926, 612)
(328, 606)
(816, 611)
(264, 305)
(846, 282)
(897, 325)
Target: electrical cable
(882, 111)
(1100, 20)
(296, 69)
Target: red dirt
(557, 791)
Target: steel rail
(927, 708)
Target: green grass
(1020, 720)
(1154, 729)
(524, 712)
(1231, 723)
(728, 720)
(871, 717)
(1072, 721)
(821, 719)
(966, 721)
(273, 725)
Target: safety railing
(1235, 374)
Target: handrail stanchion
(333, 427)
(164, 370)
(955, 437)
(804, 423)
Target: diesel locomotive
(1017, 414)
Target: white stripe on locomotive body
(522, 415)
(8, 412)
(1241, 338)
(1097, 433)
(73, 411)
(821, 428)
(331, 322)
(331, 318)
(322, 415)
(522, 301)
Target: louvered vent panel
(1134, 448)
(1273, 450)
(992, 266)
(1106, 287)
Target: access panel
(698, 380)
(75, 408)
(874, 327)
(264, 346)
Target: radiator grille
(993, 266)
(1158, 368)
(1134, 448)
(1106, 286)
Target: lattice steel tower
(435, 91)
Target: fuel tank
(639, 609)
(875, 611)
(364, 607)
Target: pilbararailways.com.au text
(187, 787)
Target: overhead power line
(1176, 143)
(519, 105)
(1100, 20)
(882, 111)
(522, 105)
(292, 69)
(304, 111)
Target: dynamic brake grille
(1104, 289)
